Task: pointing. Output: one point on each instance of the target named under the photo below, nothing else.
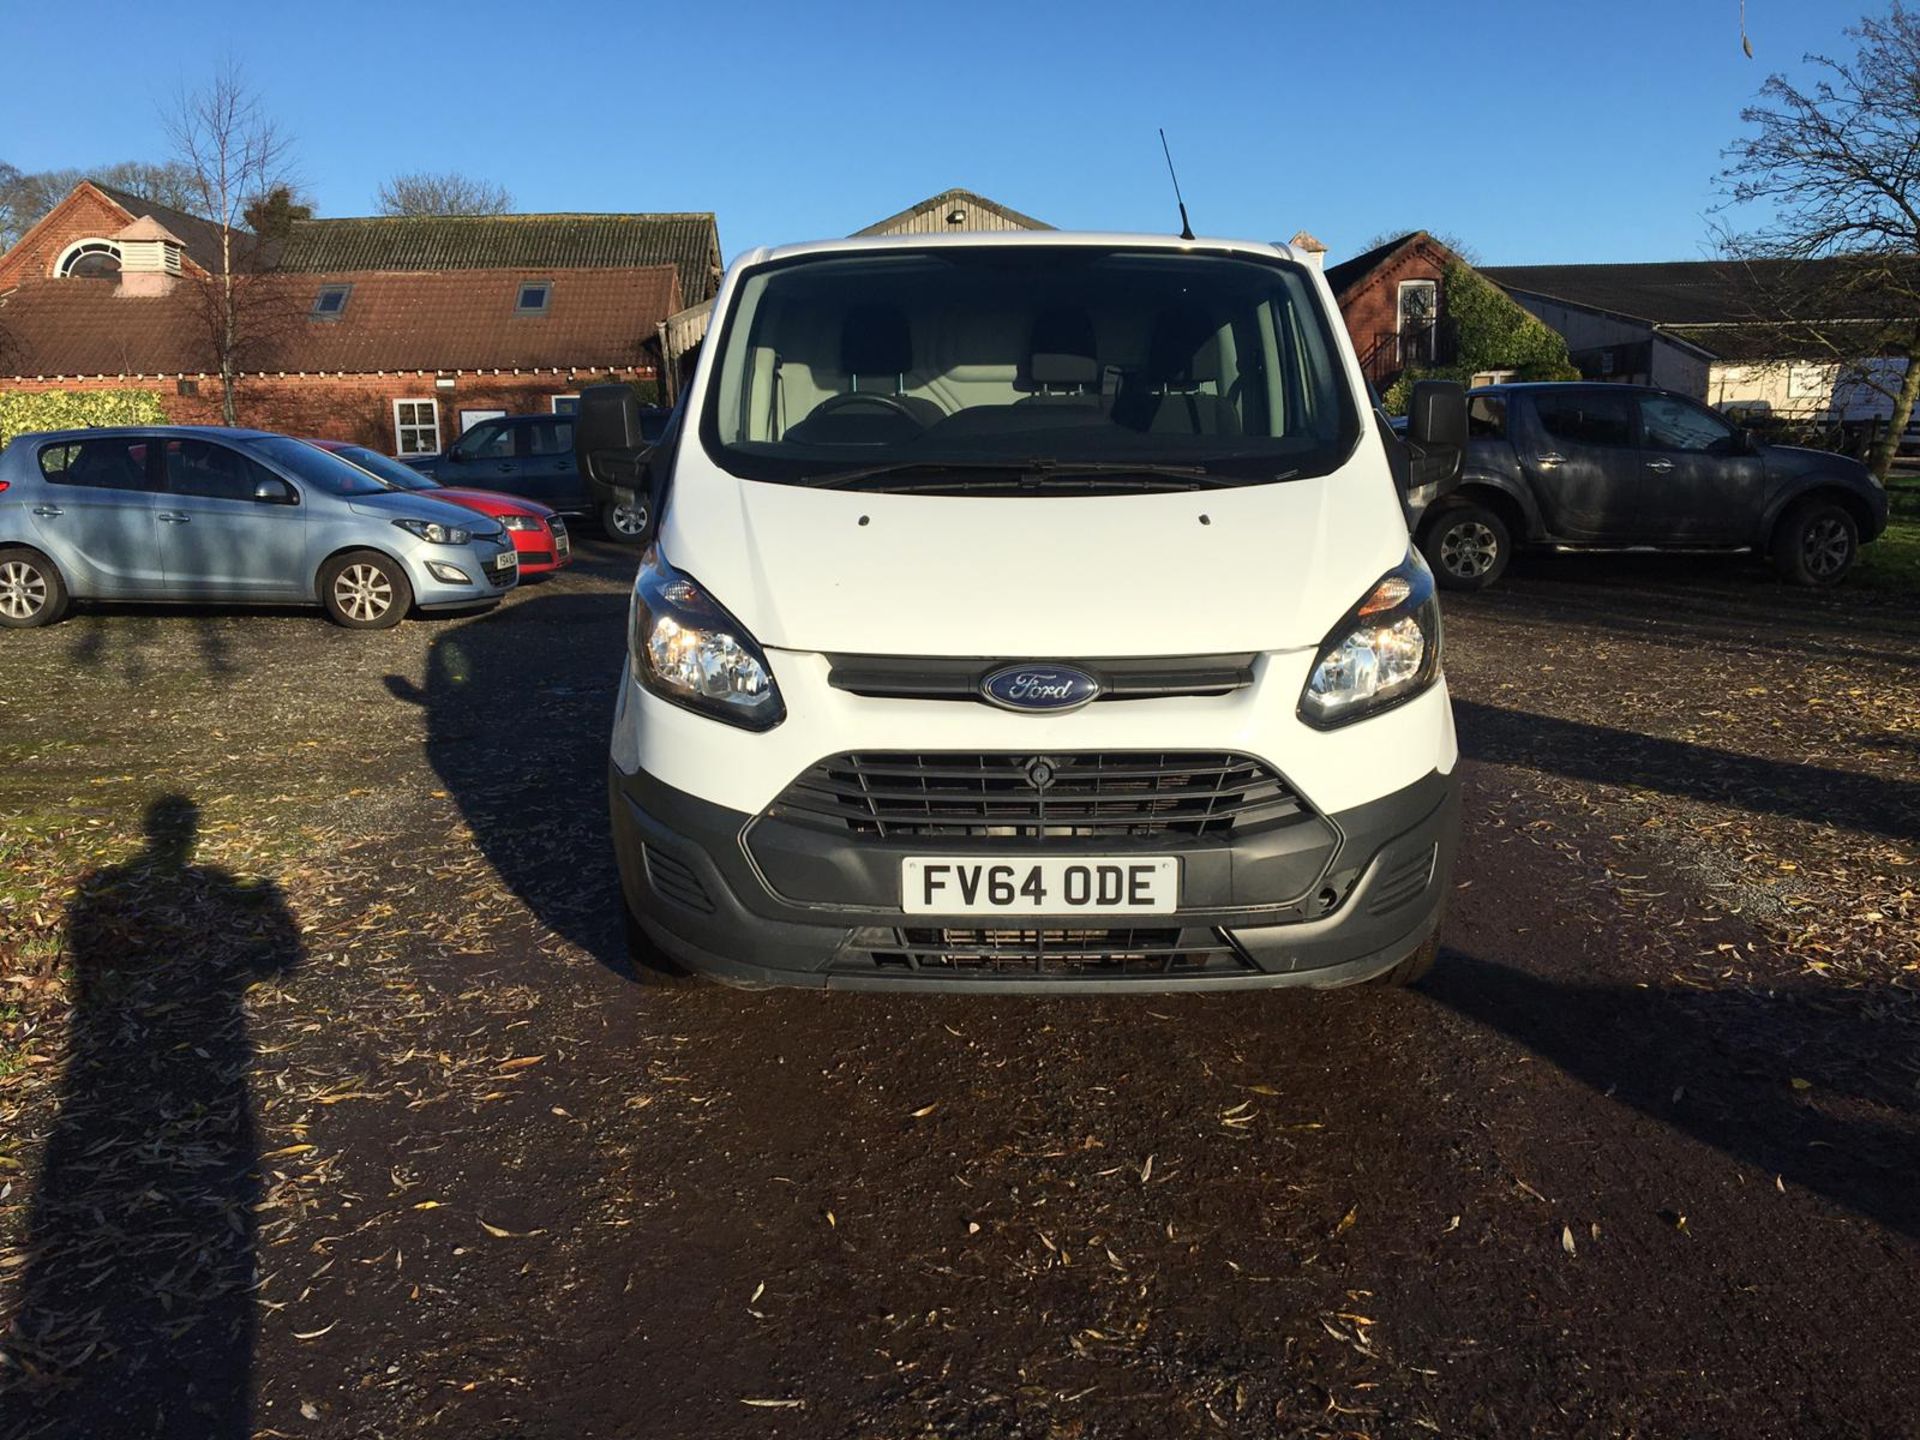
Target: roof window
(331, 302)
(534, 297)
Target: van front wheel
(1467, 547)
(624, 522)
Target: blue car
(198, 513)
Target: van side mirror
(275, 491)
(613, 455)
(1436, 431)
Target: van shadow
(135, 1314)
(1871, 804)
(1721, 1066)
(519, 705)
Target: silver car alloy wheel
(629, 520)
(23, 590)
(1468, 550)
(363, 592)
(1826, 547)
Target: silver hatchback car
(197, 513)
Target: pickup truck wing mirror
(614, 456)
(1436, 431)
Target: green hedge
(23, 411)
(1494, 333)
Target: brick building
(1393, 298)
(394, 332)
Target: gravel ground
(328, 1107)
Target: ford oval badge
(1043, 688)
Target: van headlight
(1385, 650)
(686, 649)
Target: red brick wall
(1371, 308)
(85, 214)
(344, 407)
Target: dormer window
(534, 297)
(331, 302)
(88, 260)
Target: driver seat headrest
(876, 340)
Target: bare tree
(444, 193)
(1838, 165)
(235, 157)
(25, 197)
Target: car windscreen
(1040, 362)
(385, 467)
(314, 466)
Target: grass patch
(1893, 561)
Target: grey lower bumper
(691, 884)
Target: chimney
(1311, 250)
(149, 258)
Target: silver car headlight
(434, 533)
(686, 649)
(1384, 651)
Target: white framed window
(91, 259)
(566, 404)
(1807, 382)
(416, 427)
(1417, 312)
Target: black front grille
(1102, 795)
(537, 557)
(929, 678)
(1116, 953)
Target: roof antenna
(1186, 227)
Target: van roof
(1017, 239)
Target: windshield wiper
(1016, 474)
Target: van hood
(407, 505)
(1251, 568)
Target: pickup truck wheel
(1815, 543)
(31, 591)
(1466, 546)
(625, 523)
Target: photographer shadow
(135, 1314)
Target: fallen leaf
(313, 1335)
(499, 1234)
(1346, 1221)
(286, 1150)
(1566, 1239)
(1146, 1170)
(1800, 1084)
(776, 1404)
(521, 1062)
(926, 1110)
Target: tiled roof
(688, 242)
(200, 239)
(1683, 292)
(447, 320)
(1349, 273)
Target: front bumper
(1375, 889)
(545, 550)
(491, 565)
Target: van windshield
(1036, 367)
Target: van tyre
(1412, 969)
(365, 590)
(1816, 543)
(31, 590)
(1467, 547)
(652, 965)
(623, 522)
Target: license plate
(562, 544)
(1040, 885)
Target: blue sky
(1550, 131)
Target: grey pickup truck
(1625, 467)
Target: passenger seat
(1167, 395)
(1062, 366)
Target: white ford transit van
(1030, 611)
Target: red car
(538, 533)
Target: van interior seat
(1063, 367)
(876, 354)
(1170, 394)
